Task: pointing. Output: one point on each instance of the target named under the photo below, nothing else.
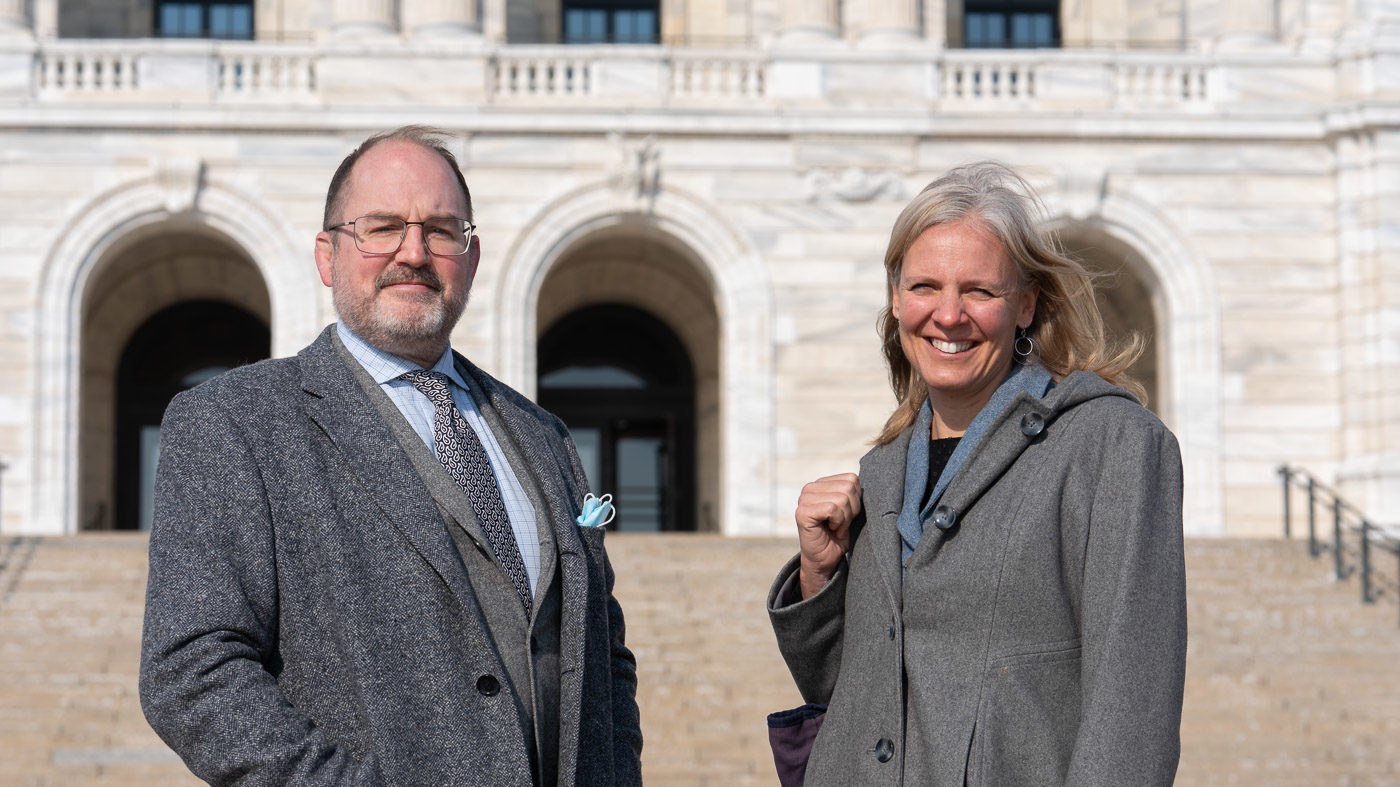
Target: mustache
(404, 275)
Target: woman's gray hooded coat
(1041, 639)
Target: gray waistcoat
(529, 649)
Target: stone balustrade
(85, 69)
(553, 73)
(255, 71)
(608, 76)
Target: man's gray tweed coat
(309, 620)
(1040, 640)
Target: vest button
(944, 517)
(1032, 424)
(488, 686)
(884, 750)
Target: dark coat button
(1032, 424)
(891, 631)
(488, 686)
(944, 517)
(884, 750)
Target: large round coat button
(944, 517)
(884, 750)
(488, 686)
(1032, 424)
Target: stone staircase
(1290, 680)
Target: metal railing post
(1287, 514)
(1337, 538)
(1312, 517)
(1366, 562)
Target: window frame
(611, 8)
(205, 9)
(1007, 10)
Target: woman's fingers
(825, 510)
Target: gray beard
(421, 334)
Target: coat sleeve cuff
(786, 592)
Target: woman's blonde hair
(1067, 328)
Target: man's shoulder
(262, 385)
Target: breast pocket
(1028, 718)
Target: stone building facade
(710, 183)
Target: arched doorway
(1127, 300)
(623, 384)
(176, 349)
(165, 308)
(632, 300)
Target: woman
(999, 597)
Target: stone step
(1290, 680)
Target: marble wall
(1246, 170)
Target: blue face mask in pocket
(597, 511)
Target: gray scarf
(1031, 379)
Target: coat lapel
(340, 407)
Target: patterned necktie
(461, 452)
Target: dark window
(617, 22)
(205, 19)
(622, 382)
(1025, 24)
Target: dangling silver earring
(1024, 347)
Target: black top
(939, 452)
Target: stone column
(884, 23)
(363, 17)
(809, 21)
(440, 17)
(14, 20)
(46, 19)
(493, 22)
(936, 22)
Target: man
(365, 567)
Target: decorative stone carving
(636, 171)
(180, 179)
(1083, 190)
(854, 184)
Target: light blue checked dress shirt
(386, 368)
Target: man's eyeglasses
(446, 237)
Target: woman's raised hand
(825, 510)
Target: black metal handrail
(1348, 522)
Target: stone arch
(185, 202)
(1189, 318)
(739, 281)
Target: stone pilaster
(14, 18)
(493, 21)
(1368, 207)
(809, 21)
(884, 23)
(440, 18)
(363, 17)
(1234, 24)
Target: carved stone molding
(854, 184)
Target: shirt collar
(384, 366)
